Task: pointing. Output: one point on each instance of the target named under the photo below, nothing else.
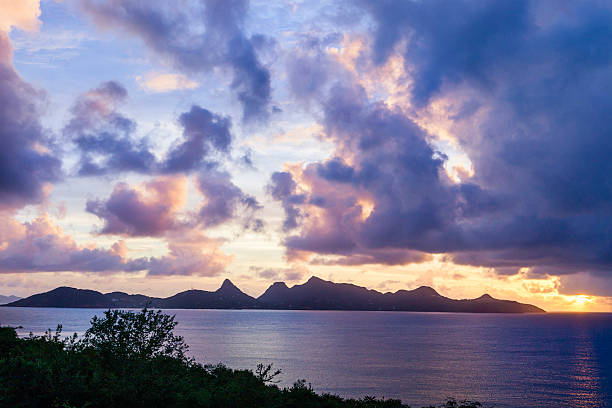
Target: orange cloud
(21, 14)
(157, 82)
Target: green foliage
(129, 359)
(125, 334)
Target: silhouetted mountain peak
(315, 294)
(117, 293)
(228, 286)
(64, 289)
(276, 290)
(486, 296)
(425, 291)
(316, 281)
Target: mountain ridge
(314, 294)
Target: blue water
(552, 360)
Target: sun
(582, 300)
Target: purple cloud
(196, 38)
(517, 77)
(27, 160)
(103, 136)
(150, 211)
(293, 273)
(282, 187)
(225, 201)
(41, 246)
(203, 133)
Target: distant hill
(70, 297)
(315, 294)
(8, 299)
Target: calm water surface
(552, 360)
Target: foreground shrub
(128, 359)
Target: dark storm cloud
(529, 83)
(106, 142)
(449, 41)
(106, 139)
(393, 165)
(336, 170)
(282, 188)
(197, 38)
(27, 161)
(545, 141)
(225, 201)
(100, 131)
(203, 133)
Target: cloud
(151, 210)
(191, 253)
(203, 133)
(224, 201)
(282, 187)
(386, 206)
(41, 246)
(196, 38)
(21, 14)
(156, 82)
(541, 190)
(28, 164)
(532, 144)
(156, 209)
(293, 273)
(103, 136)
(106, 142)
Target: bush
(125, 334)
(128, 359)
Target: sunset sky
(154, 146)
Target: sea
(502, 360)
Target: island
(314, 294)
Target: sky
(153, 147)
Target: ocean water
(552, 360)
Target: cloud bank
(513, 79)
(196, 38)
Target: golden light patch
(367, 207)
(39, 148)
(22, 14)
(582, 300)
(388, 82)
(158, 82)
(348, 52)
